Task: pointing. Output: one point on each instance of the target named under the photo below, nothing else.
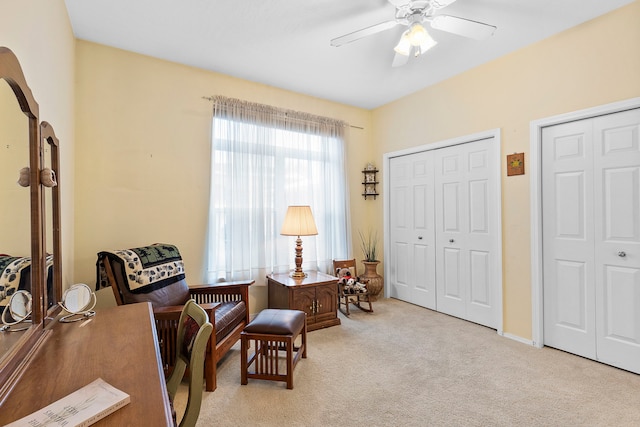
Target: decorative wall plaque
(515, 164)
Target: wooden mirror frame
(48, 136)
(18, 356)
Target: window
(263, 160)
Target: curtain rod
(211, 98)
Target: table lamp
(299, 222)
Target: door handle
(419, 237)
(451, 240)
(622, 254)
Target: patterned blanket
(13, 274)
(146, 268)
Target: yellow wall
(592, 64)
(39, 34)
(143, 153)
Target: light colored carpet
(404, 365)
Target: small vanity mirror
(17, 311)
(78, 301)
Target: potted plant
(369, 246)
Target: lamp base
(298, 274)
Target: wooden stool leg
(243, 359)
(304, 341)
(289, 345)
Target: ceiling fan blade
(398, 3)
(462, 27)
(439, 4)
(399, 60)
(356, 35)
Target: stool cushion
(276, 322)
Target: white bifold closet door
(412, 229)
(591, 238)
(442, 249)
(464, 196)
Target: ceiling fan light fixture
(417, 34)
(427, 44)
(404, 45)
(417, 37)
(414, 15)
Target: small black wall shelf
(370, 181)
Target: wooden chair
(344, 298)
(194, 331)
(226, 303)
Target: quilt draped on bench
(146, 268)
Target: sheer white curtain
(264, 159)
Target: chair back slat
(166, 329)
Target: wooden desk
(120, 346)
(316, 295)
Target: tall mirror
(15, 223)
(21, 236)
(50, 178)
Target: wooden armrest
(172, 312)
(222, 285)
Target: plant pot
(375, 282)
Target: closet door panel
(480, 246)
(423, 262)
(412, 230)
(617, 228)
(451, 291)
(423, 288)
(402, 268)
(451, 230)
(480, 294)
(569, 305)
(465, 241)
(401, 205)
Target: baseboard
(519, 339)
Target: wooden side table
(316, 295)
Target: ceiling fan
(416, 40)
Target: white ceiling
(285, 43)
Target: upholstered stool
(273, 331)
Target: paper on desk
(81, 408)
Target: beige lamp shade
(299, 222)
